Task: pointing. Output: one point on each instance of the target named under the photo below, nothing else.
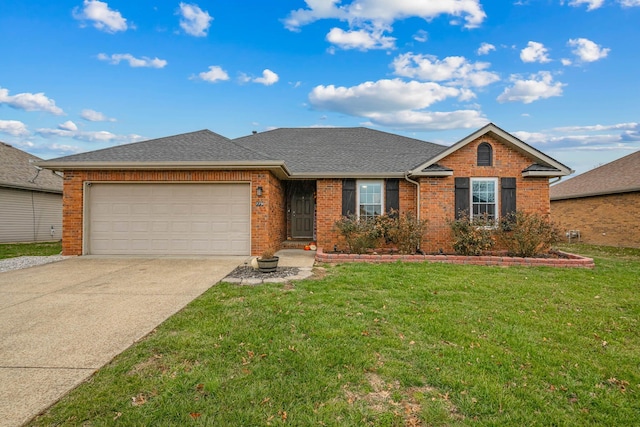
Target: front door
(302, 216)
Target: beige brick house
(601, 206)
(202, 193)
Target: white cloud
(95, 116)
(587, 50)
(132, 60)
(591, 4)
(30, 102)
(566, 62)
(268, 78)
(68, 125)
(397, 104)
(88, 136)
(485, 48)
(13, 127)
(214, 74)
(537, 86)
(428, 120)
(598, 128)
(421, 36)
(103, 18)
(194, 21)
(385, 12)
(382, 95)
(534, 52)
(455, 70)
(360, 39)
(629, 3)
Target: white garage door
(169, 219)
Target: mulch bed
(252, 273)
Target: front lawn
(388, 345)
(12, 250)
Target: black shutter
(348, 197)
(508, 197)
(392, 196)
(462, 197)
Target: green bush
(526, 234)
(472, 236)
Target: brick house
(202, 193)
(601, 206)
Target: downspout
(417, 184)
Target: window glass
(483, 197)
(369, 199)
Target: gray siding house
(30, 199)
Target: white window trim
(370, 181)
(497, 196)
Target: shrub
(360, 234)
(472, 236)
(526, 234)
(406, 231)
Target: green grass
(12, 250)
(387, 345)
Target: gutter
(417, 184)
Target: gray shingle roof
(199, 146)
(619, 176)
(17, 172)
(536, 167)
(341, 150)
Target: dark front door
(302, 216)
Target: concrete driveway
(60, 322)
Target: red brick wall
(437, 203)
(267, 221)
(612, 220)
(329, 210)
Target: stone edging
(572, 260)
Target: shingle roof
(202, 145)
(17, 171)
(619, 176)
(536, 167)
(341, 150)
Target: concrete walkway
(60, 322)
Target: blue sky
(79, 75)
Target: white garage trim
(167, 218)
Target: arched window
(485, 154)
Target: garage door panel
(172, 219)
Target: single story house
(30, 198)
(601, 206)
(202, 193)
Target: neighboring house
(30, 198)
(602, 206)
(202, 193)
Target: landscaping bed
(561, 259)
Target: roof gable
(543, 165)
(18, 170)
(619, 176)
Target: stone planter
(268, 265)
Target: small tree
(527, 234)
(472, 236)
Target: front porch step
(295, 244)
